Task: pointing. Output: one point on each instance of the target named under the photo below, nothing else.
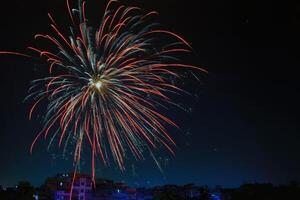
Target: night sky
(241, 123)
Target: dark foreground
(107, 190)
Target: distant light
(61, 183)
(118, 190)
(215, 197)
(36, 197)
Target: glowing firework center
(96, 83)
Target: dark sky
(244, 121)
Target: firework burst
(106, 83)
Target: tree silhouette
(25, 191)
(204, 193)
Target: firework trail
(107, 83)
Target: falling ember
(107, 82)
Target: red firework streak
(106, 83)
